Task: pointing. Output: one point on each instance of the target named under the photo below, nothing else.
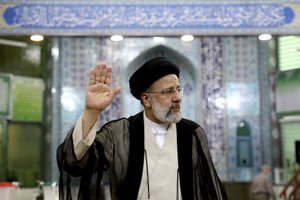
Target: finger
(92, 77)
(98, 72)
(108, 79)
(103, 74)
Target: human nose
(177, 94)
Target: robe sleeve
(76, 176)
(82, 145)
(212, 179)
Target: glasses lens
(171, 92)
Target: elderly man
(155, 154)
(261, 187)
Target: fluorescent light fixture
(36, 38)
(187, 38)
(116, 38)
(158, 39)
(13, 43)
(264, 37)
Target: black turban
(149, 72)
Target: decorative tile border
(145, 19)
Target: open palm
(99, 95)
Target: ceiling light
(116, 38)
(158, 39)
(36, 38)
(264, 37)
(187, 38)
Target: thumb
(116, 90)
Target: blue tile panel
(142, 18)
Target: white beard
(165, 115)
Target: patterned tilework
(111, 53)
(263, 64)
(75, 64)
(107, 18)
(213, 99)
(71, 65)
(242, 95)
(243, 59)
(76, 54)
(236, 173)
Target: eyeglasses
(170, 92)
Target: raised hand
(99, 94)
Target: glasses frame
(169, 92)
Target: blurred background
(243, 90)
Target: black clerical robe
(119, 150)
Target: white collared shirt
(82, 145)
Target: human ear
(145, 98)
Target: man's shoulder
(188, 124)
(116, 123)
(119, 120)
(123, 120)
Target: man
(155, 154)
(261, 187)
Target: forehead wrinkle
(169, 81)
